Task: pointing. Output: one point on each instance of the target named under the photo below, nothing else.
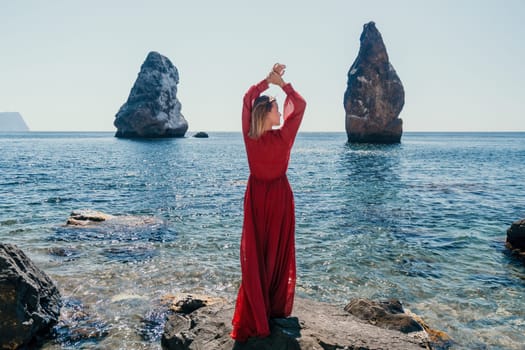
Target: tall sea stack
(374, 96)
(152, 109)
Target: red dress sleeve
(252, 93)
(294, 107)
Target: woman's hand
(276, 75)
(279, 68)
(275, 78)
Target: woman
(268, 234)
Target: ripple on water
(9, 222)
(78, 325)
(131, 253)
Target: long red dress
(268, 234)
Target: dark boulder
(152, 109)
(516, 237)
(374, 96)
(29, 301)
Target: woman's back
(268, 156)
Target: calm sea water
(423, 221)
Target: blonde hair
(261, 107)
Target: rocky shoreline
(204, 323)
(34, 312)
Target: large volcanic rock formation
(374, 96)
(152, 108)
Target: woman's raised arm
(294, 107)
(253, 92)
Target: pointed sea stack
(152, 109)
(374, 96)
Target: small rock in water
(95, 218)
(77, 325)
(516, 238)
(439, 340)
(58, 252)
(188, 303)
(85, 225)
(152, 325)
(69, 254)
(201, 134)
(387, 314)
(87, 217)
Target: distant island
(12, 122)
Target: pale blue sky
(69, 65)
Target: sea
(423, 221)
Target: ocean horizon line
(238, 131)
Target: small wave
(57, 200)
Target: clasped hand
(276, 75)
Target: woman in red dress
(268, 234)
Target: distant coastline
(34, 132)
(12, 122)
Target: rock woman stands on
(268, 234)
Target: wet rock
(78, 325)
(65, 253)
(201, 135)
(386, 314)
(516, 237)
(93, 217)
(314, 325)
(152, 325)
(187, 303)
(374, 96)
(60, 251)
(87, 217)
(85, 225)
(29, 300)
(390, 314)
(152, 109)
(437, 339)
